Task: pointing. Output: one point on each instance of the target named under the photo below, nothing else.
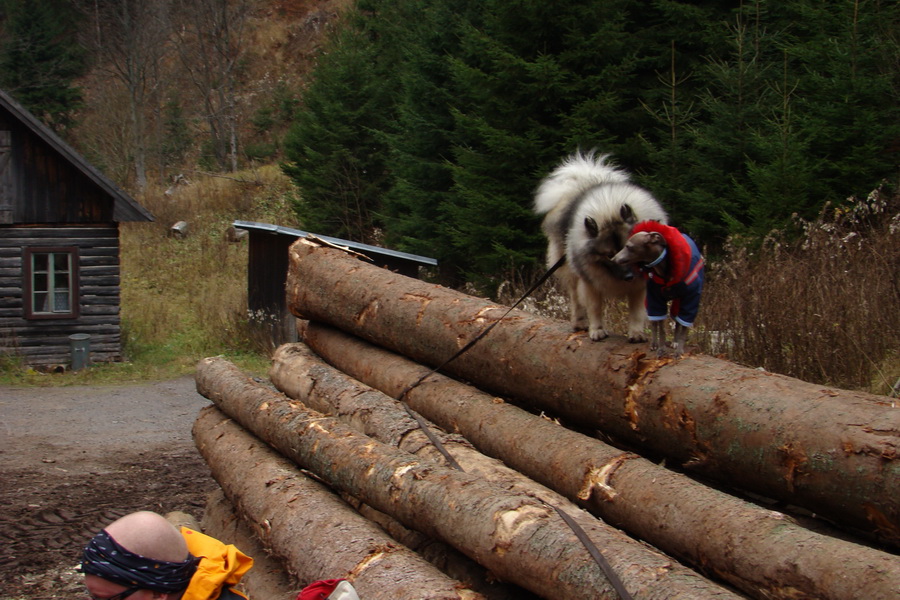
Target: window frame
(28, 288)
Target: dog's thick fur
(590, 207)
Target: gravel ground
(72, 459)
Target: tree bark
(269, 577)
(300, 374)
(317, 535)
(369, 411)
(517, 537)
(832, 451)
(762, 552)
(446, 558)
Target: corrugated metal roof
(125, 208)
(362, 248)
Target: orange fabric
(222, 566)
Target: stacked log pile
(312, 466)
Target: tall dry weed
(821, 306)
(188, 296)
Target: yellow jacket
(222, 566)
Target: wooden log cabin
(59, 246)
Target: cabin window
(51, 283)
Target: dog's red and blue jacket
(683, 284)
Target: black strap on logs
(611, 575)
(485, 331)
(592, 549)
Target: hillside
(273, 45)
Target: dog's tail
(575, 174)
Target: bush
(820, 306)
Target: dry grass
(186, 298)
(824, 307)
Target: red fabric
(679, 252)
(318, 590)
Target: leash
(607, 569)
(486, 330)
(592, 549)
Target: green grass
(156, 365)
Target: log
(831, 451)
(300, 374)
(444, 557)
(517, 537)
(179, 230)
(764, 553)
(316, 535)
(374, 414)
(269, 577)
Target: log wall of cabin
(46, 342)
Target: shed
(267, 268)
(59, 245)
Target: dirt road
(72, 459)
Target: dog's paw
(598, 334)
(637, 337)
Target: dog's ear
(657, 238)
(591, 225)
(627, 214)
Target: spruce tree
(519, 105)
(40, 59)
(334, 151)
(737, 96)
(447, 115)
(677, 39)
(802, 110)
(847, 103)
(426, 34)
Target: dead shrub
(820, 306)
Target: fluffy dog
(673, 267)
(590, 208)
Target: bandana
(106, 559)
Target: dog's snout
(619, 271)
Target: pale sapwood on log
(831, 451)
(517, 537)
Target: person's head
(139, 557)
